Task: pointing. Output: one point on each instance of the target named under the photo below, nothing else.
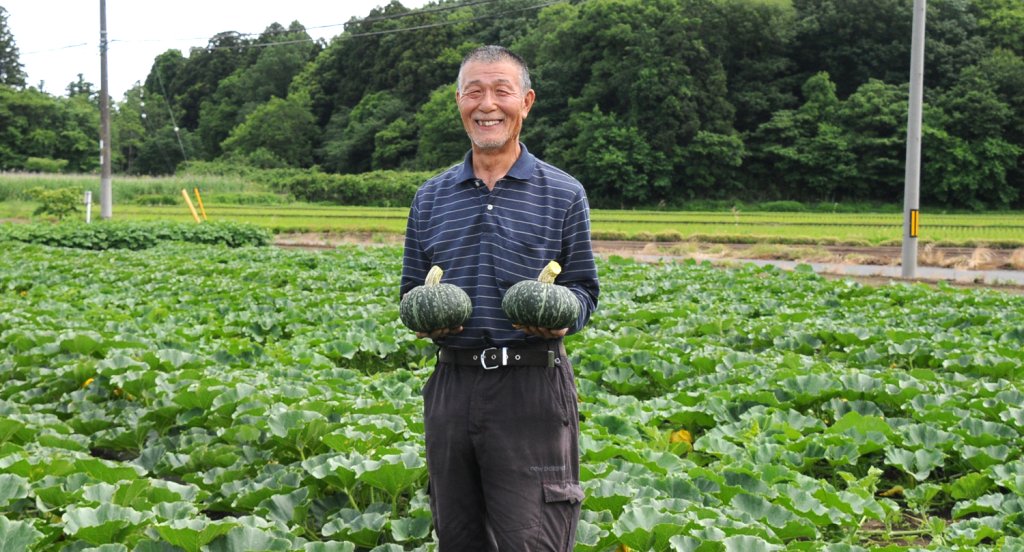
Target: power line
(317, 27)
(69, 46)
(391, 31)
(343, 35)
(170, 112)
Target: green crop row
(188, 397)
(135, 234)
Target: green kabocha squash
(541, 302)
(434, 305)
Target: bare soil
(947, 257)
(944, 257)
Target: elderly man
(500, 413)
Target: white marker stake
(88, 206)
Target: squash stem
(550, 272)
(433, 276)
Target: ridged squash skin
(541, 302)
(434, 305)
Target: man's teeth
(488, 123)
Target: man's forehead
(496, 72)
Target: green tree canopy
(11, 70)
(443, 141)
(280, 54)
(853, 41)
(35, 124)
(350, 138)
(281, 127)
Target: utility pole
(106, 202)
(912, 184)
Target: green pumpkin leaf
(411, 528)
(17, 536)
(193, 534)
(12, 487)
(748, 543)
(918, 464)
(362, 528)
(333, 546)
(247, 539)
(104, 524)
(393, 473)
(288, 509)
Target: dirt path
(963, 258)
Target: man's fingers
(547, 333)
(437, 334)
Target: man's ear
(528, 100)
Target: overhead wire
(68, 47)
(344, 35)
(348, 35)
(411, 13)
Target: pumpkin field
(189, 397)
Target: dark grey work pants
(503, 456)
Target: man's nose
(488, 100)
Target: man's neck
(492, 164)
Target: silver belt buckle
(503, 361)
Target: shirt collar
(522, 169)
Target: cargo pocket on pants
(562, 499)
(562, 491)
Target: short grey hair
(495, 54)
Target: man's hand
(438, 334)
(546, 333)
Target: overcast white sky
(58, 39)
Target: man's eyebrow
(497, 81)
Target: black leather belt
(496, 357)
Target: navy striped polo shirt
(487, 240)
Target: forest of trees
(647, 102)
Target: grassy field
(990, 229)
(235, 199)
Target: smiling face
(493, 104)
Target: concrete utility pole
(106, 201)
(912, 185)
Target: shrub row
(135, 234)
(260, 177)
(217, 198)
(18, 186)
(373, 189)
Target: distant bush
(157, 199)
(135, 234)
(709, 205)
(610, 235)
(15, 186)
(373, 189)
(45, 165)
(59, 203)
(265, 178)
(782, 207)
(217, 198)
(855, 207)
(668, 236)
(249, 198)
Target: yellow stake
(184, 194)
(199, 200)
